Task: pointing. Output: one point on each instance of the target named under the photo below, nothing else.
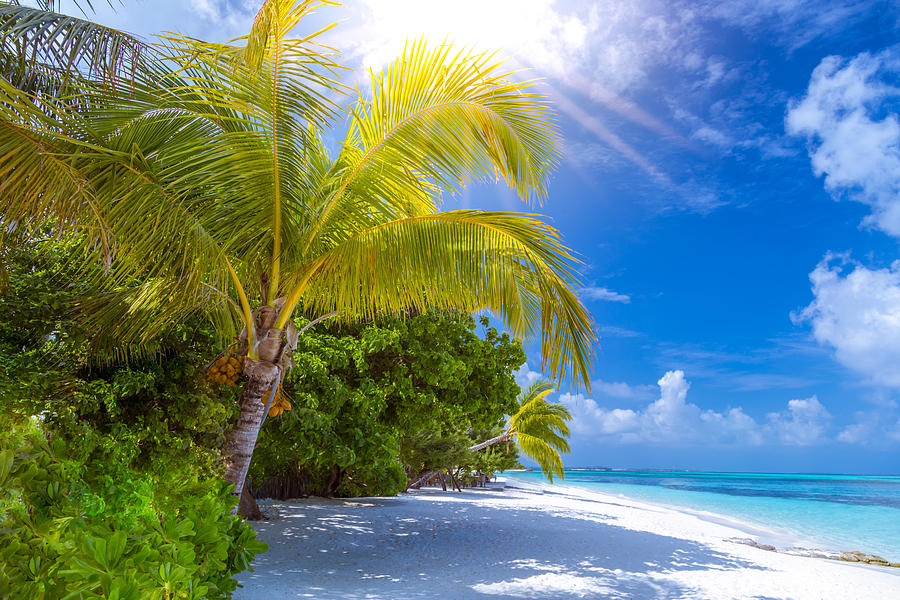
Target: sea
(823, 512)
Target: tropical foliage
(52, 54)
(540, 428)
(431, 455)
(109, 475)
(201, 177)
(363, 394)
(57, 541)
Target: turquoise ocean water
(827, 512)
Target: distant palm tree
(200, 174)
(539, 427)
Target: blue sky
(731, 179)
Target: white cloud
(525, 376)
(858, 315)
(854, 135)
(803, 423)
(602, 293)
(872, 429)
(671, 419)
(732, 427)
(208, 9)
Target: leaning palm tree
(204, 180)
(539, 427)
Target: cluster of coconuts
(279, 406)
(226, 369)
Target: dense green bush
(57, 539)
(149, 413)
(358, 392)
(108, 471)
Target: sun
(519, 30)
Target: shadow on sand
(435, 546)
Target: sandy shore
(518, 543)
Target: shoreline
(514, 543)
(807, 524)
(755, 535)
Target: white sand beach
(521, 543)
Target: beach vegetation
(199, 175)
(444, 458)
(363, 393)
(70, 530)
(536, 427)
(540, 428)
(110, 474)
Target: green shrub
(63, 538)
(358, 391)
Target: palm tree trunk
(248, 508)
(241, 441)
(453, 481)
(420, 481)
(500, 438)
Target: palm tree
(204, 180)
(539, 428)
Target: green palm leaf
(41, 50)
(540, 428)
(438, 119)
(511, 264)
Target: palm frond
(544, 454)
(126, 321)
(541, 428)
(274, 20)
(458, 118)
(437, 119)
(38, 181)
(209, 172)
(41, 49)
(511, 264)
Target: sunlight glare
(530, 30)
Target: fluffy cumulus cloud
(872, 428)
(671, 419)
(525, 376)
(850, 119)
(802, 424)
(857, 313)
